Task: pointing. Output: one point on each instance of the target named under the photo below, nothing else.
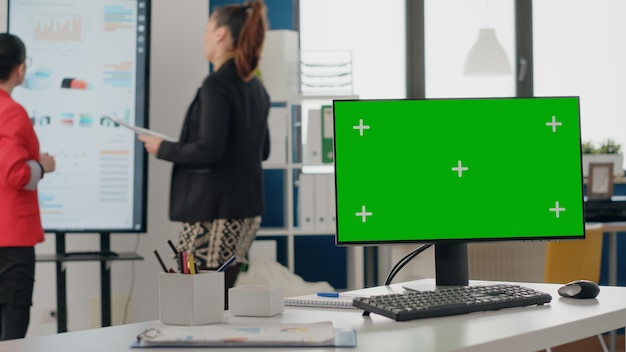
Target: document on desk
(141, 130)
(321, 334)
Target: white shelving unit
(290, 231)
(283, 69)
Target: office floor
(590, 344)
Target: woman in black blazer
(217, 178)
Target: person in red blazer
(21, 168)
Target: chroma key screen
(436, 170)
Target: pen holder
(191, 299)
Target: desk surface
(515, 329)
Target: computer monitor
(453, 171)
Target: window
(451, 29)
(579, 50)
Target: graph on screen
(88, 61)
(58, 29)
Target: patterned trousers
(214, 242)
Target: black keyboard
(450, 301)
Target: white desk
(515, 329)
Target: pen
(337, 294)
(227, 263)
(156, 253)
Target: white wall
(3, 15)
(177, 69)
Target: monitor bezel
(457, 241)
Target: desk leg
(61, 287)
(105, 293)
(105, 282)
(612, 270)
(61, 298)
(612, 273)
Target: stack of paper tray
(326, 72)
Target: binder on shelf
(321, 202)
(328, 155)
(296, 130)
(277, 124)
(306, 202)
(331, 213)
(313, 143)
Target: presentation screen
(87, 61)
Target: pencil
(173, 248)
(177, 256)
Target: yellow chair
(575, 260)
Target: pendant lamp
(487, 57)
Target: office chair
(567, 261)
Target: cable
(402, 262)
(132, 283)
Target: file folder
(331, 213)
(321, 202)
(277, 125)
(313, 146)
(306, 202)
(328, 155)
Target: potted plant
(608, 152)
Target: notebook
(314, 301)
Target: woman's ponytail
(250, 40)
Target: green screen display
(458, 169)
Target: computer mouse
(579, 289)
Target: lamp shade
(487, 57)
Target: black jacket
(217, 170)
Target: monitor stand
(451, 264)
